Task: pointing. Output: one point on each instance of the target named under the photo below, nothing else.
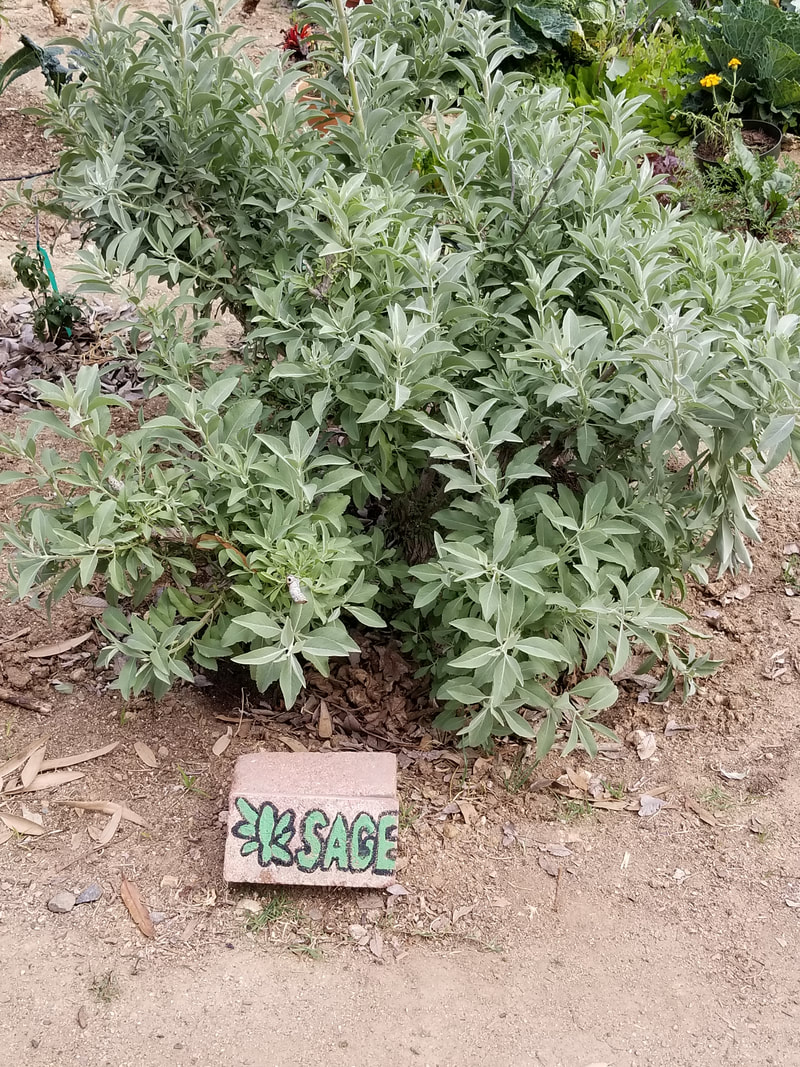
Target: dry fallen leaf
(106, 807)
(674, 727)
(32, 766)
(82, 757)
(145, 754)
(645, 741)
(5, 835)
(138, 912)
(376, 944)
(459, 913)
(221, 743)
(737, 776)
(34, 816)
(44, 651)
(469, 813)
(509, 834)
(292, 745)
(549, 865)
(649, 805)
(556, 849)
(324, 724)
(50, 780)
(14, 764)
(703, 814)
(20, 825)
(397, 890)
(110, 828)
(580, 777)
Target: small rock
(83, 1018)
(18, 677)
(222, 818)
(163, 752)
(78, 675)
(90, 894)
(35, 1042)
(357, 932)
(158, 917)
(246, 904)
(62, 902)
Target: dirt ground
(536, 927)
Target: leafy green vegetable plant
(502, 402)
(54, 313)
(767, 41)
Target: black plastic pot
(768, 128)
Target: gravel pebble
(62, 902)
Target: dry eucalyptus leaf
(649, 805)
(82, 757)
(292, 745)
(221, 743)
(5, 835)
(145, 754)
(324, 723)
(14, 764)
(129, 892)
(32, 767)
(110, 828)
(612, 751)
(736, 776)
(376, 944)
(106, 807)
(703, 814)
(45, 651)
(556, 849)
(21, 825)
(674, 727)
(49, 780)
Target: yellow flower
(710, 81)
(735, 63)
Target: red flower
(295, 40)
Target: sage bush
(492, 394)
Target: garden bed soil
(759, 141)
(535, 927)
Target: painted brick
(311, 818)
